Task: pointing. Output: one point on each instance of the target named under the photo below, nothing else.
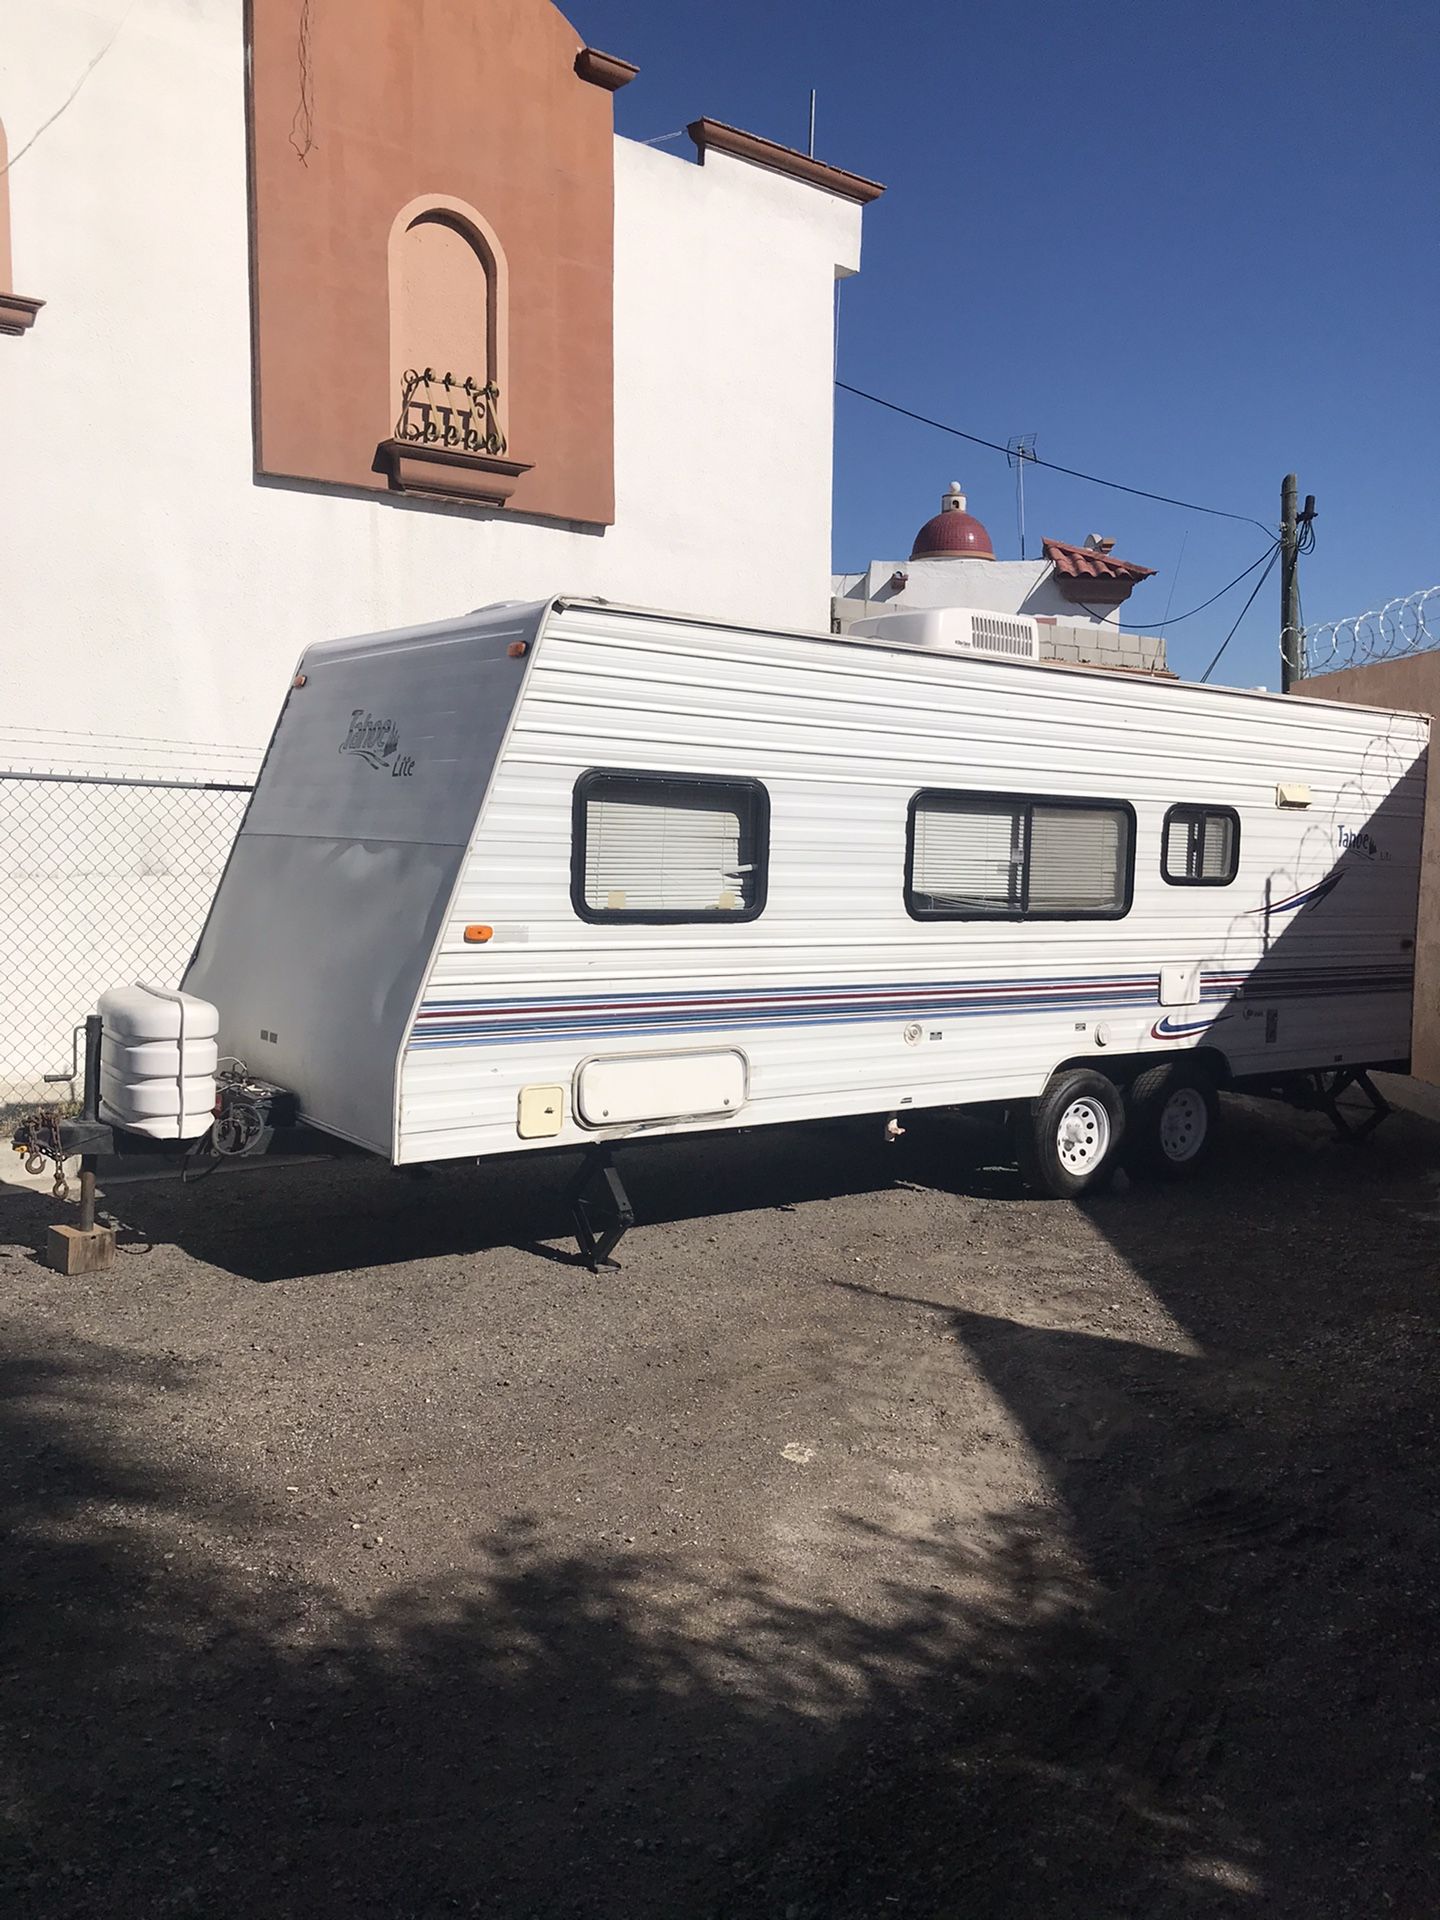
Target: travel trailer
(568, 874)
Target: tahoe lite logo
(1361, 844)
(378, 744)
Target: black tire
(1172, 1113)
(1068, 1139)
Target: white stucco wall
(148, 586)
(991, 586)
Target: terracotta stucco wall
(1413, 685)
(389, 101)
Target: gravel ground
(877, 1542)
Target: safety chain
(40, 1134)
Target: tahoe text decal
(377, 742)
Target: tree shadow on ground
(1198, 1678)
(1248, 1722)
(541, 1733)
(1202, 1682)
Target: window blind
(1005, 854)
(968, 856)
(1078, 857)
(653, 846)
(1215, 852)
(1200, 844)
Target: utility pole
(1290, 635)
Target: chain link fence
(105, 881)
(1409, 624)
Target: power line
(44, 125)
(1174, 621)
(1175, 577)
(1094, 479)
(1274, 555)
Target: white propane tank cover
(152, 1081)
(142, 1013)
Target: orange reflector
(477, 936)
(298, 681)
(517, 649)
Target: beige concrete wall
(1414, 685)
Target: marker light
(477, 936)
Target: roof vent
(997, 636)
(1004, 634)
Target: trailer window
(967, 856)
(1010, 856)
(1200, 846)
(668, 847)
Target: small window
(1201, 846)
(668, 847)
(1005, 856)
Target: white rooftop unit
(997, 636)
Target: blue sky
(1190, 247)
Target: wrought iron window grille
(449, 410)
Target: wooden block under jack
(73, 1250)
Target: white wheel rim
(1082, 1138)
(1184, 1122)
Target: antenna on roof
(1017, 452)
(812, 123)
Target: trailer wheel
(1172, 1111)
(1068, 1139)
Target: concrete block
(72, 1250)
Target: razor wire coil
(1403, 626)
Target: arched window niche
(17, 314)
(449, 394)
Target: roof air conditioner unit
(994, 636)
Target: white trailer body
(564, 873)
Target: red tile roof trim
(1089, 563)
(605, 70)
(767, 153)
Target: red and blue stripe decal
(493, 1022)
(1293, 902)
(472, 1022)
(1173, 1027)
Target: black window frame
(669, 916)
(1199, 808)
(1028, 801)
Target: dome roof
(953, 534)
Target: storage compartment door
(659, 1086)
(1180, 986)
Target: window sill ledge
(483, 478)
(17, 314)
